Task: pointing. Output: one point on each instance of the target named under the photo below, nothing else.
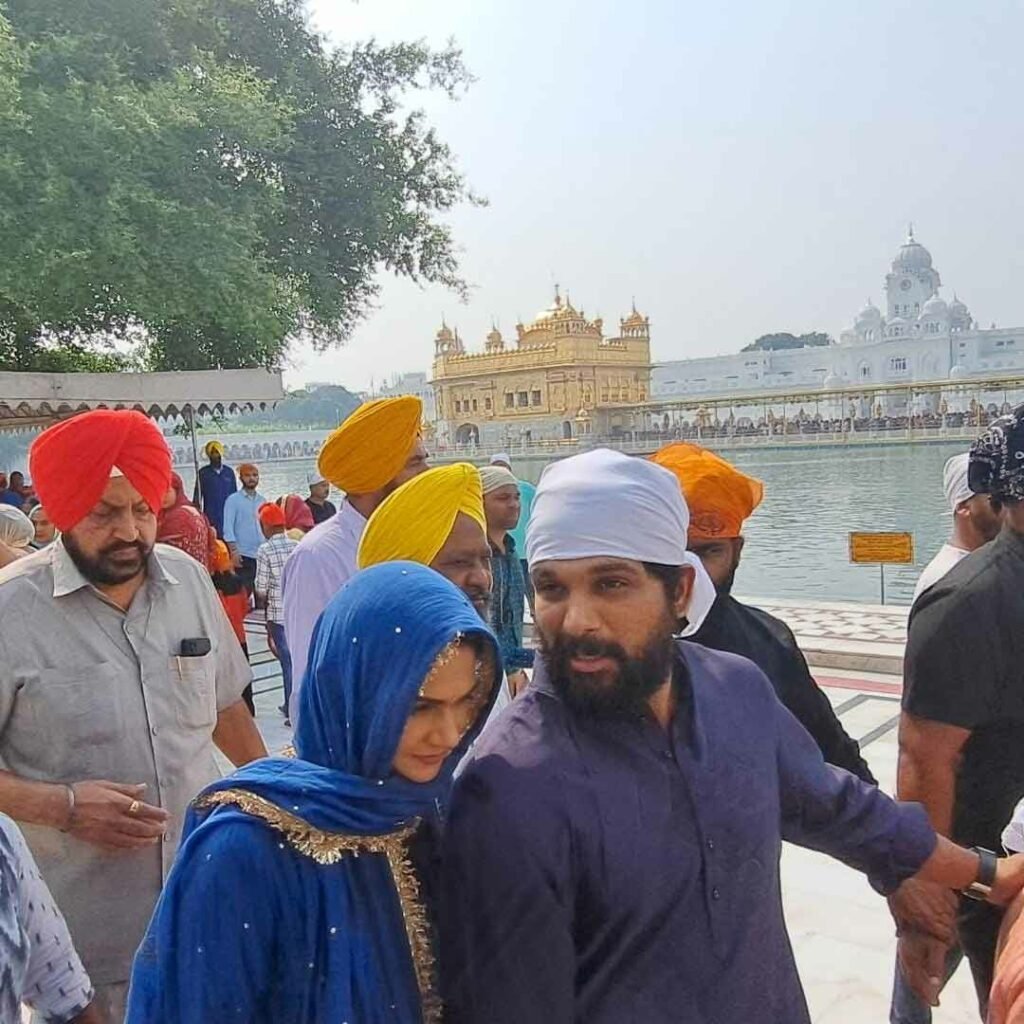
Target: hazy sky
(738, 167)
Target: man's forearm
(236, 735)
(930, 783)
(35, 803)
(950, 866)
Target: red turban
(270, 514)
(71, 462)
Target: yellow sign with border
(882, 548)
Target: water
(797, 541)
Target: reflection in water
(797, 539)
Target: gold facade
(560, 378)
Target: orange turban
(72, 462)
(370, 448)
(719, 495)
(270, 514)
(220, 559)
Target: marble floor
(841, 931)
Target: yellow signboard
(882, 548)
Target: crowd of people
(469, 827)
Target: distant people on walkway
(298, 520)
(372, 453)
(612, 848)
(508, 597)
(182, 525)
(305, 891)
(45, 531)
(319, 498)
(216, 484)
(9, 495)
(236, 602)
(270, 559)
(518, 533)
(437, 519)
(720, 499)
(38, 963)
(242, 532)
(975, 522)
(962, 727)
(16, 535)
(118, 674)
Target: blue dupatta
(292, 900)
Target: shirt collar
(67, 579)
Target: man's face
(215, 459)
(465, 559)
(251, 479)
(17, 481)
(985, 514)
(606, 628)
(721, 559)
(501, 507)
(45, 530)
(111, 544)
(319, 491)
(416, 463)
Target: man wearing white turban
(612, 847)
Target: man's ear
(684, 591)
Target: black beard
(99, 570)
(626, 695)
(725, 588)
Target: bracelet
(66, 827)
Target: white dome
(958, 371)
(869, 315)
(958, 308)
(913, 256)
(935, 306)
(832, 380)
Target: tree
(201, 181)
(783, 340)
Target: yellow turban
(370, 448)
(214, 446)
(413, 523)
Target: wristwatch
(981, 888)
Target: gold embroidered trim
(329, 848)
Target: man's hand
(236, 556)
(923, 960)
(1009, 880)
(270, 638)
(112, 815)
(924, 907)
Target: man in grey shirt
(118, 674)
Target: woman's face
(448, 705)
(170, 497)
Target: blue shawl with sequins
(292, 900)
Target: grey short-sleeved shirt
(90, 692)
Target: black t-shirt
(321, 513)
(965, 667)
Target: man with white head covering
(320, 505)
(975, 523)
(612, 847)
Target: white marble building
(412, 384)
(921, 337)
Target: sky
(739, 168)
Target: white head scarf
(16, 528)
(606, 504)
(502, 459)
(954, 480)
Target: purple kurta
(618, 873)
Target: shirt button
(715, 894)
(153, 730)
(667, 754)
(710, 844)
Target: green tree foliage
(321, 407)
(203, 180)
(783, 340)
